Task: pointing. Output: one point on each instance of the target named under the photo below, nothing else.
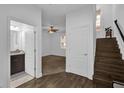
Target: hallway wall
(118, 14)
(56, 48)
(51, 44)
(46, 44)
(106, 18)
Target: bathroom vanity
(17, 62)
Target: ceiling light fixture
(51, 29)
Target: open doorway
(53, 51)
(22, 52)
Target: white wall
(46, 43)
(51, 44)
(106, 18)
(85, 16)
(56, 48)
(25, 13)
(118, 14)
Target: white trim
(39, 75)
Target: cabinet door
(17, 64)
(13, 65)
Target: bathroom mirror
(17, 36)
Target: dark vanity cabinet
(17, 63)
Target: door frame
(9, 18)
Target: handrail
(122, 36)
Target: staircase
(109, 65)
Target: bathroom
(22, 54)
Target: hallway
(53, 64)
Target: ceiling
(55, 14)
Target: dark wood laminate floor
(53, 64)
(59, 80)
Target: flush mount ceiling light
(52, 29)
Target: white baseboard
(39, 75)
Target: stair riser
(100, 40)
(110, 63)
(104, 72)
(108, 50)
(108, 55)
(102, 84)
(104, 59)
(108, 81)
(110, 69)
(118, 78)
(114, 77)
(108, 46)
(107, 42)
(112, 66)
(114, 61)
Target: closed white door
(29, 52)
(78, 50)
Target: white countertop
(17, 53)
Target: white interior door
(78, 50)
(29, 52)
